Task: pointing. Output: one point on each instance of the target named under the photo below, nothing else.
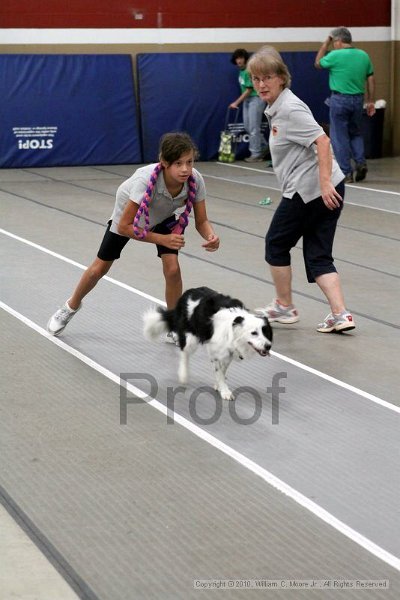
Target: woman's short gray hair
(267, 61)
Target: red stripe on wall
(193, 13)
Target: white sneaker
(172, 338)
(281, 314)
(58, 322)
(332, 323)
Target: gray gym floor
(138, 490)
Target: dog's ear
(238, 321)
(267, 329)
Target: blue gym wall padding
(67, 110)
(81, 109)
(191, 91)
(184, 92)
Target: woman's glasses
(263, 79)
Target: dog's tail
(157, 321)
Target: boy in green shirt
(253, 107)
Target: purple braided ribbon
(183, 221)
(144, 205)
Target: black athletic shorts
(113, 243)
(315, 223)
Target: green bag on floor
(226, 152)
(227, 145)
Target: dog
(223, 324)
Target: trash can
(372, 131)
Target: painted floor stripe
(292, 361)
(355, 187)
(268, 477)
(339, 383)
(80, 266)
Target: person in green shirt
(253, 107)
(350, 72)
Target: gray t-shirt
(162, 204)
(293, 130)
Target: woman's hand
(330, 196)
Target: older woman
(312, 189)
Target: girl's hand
(330, 196)
(212, 243)
(173, 241)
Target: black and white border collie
(221, 323)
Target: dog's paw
(226, 393)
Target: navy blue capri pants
(315, 223)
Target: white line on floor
(354, 187)
(292, 361)
(268, 477)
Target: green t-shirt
(348, 70)
(245, 82)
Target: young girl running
(145, 210)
